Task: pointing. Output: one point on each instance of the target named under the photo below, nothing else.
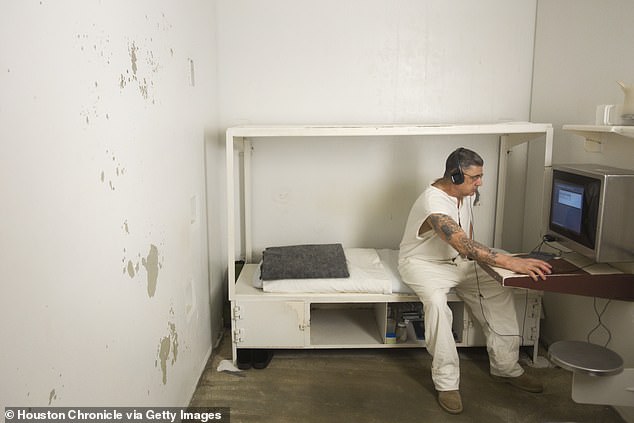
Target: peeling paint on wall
(143, 89)
(122, 82)
(52, 396)
(132, 50)
(130, 268)
(164, 350)
(144, 83)
(151, 265)
(96, 51)
(96, 45)
(115, 171)
(168, 344)
(143, 61)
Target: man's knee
(435, 301)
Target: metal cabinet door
(270, 324)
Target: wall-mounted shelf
(598, 132)
(595, 135)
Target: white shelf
(598, 133)
(386, 130)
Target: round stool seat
(584, 357)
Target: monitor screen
(567, 205)
(574, 207)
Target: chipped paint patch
(116, 171)
(130, 269)
(132, 50)
(129, 266)
(164, 350)
(151, 265)
(52, 396)
(143, 89)
(174, 336)
(168, 344)
(95, 49)
(144, 64)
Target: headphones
(457, 177)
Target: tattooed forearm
(478, 252)
(441, 223)
(450, 231)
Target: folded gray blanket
(304, 262)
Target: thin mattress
(371, 271)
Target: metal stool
(598, 376)
(584, 357)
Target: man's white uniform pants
(490, 303)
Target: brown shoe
(524, 382)
(450, 401)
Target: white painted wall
(374, 61)
(356, 191)
(104, 285)
(360, 61)
(582, 49)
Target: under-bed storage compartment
(354, 325)
(411, 315)
(346, 325)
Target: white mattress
(389, 259)
(371, 271)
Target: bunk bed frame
(359, 320)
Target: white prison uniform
(431, 267)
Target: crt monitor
(592, 209)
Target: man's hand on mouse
(536, 269)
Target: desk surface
(597, 280)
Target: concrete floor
(381, 386)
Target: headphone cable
(480, 296)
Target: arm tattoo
(452, 233)
(478, 252)
(444, 225)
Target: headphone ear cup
(458, 177)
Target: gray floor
(381, 386)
